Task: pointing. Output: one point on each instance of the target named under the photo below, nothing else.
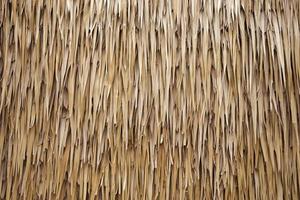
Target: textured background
(149, 99)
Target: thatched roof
(149, 99)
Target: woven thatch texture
(149, 99)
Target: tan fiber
(149, 99)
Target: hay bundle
(129, 99)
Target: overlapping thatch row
(151, 99)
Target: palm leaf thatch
(149, 99)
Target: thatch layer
(149, 99)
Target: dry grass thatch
(149, 99)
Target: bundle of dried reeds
(142, 99)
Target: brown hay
(149, 99)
